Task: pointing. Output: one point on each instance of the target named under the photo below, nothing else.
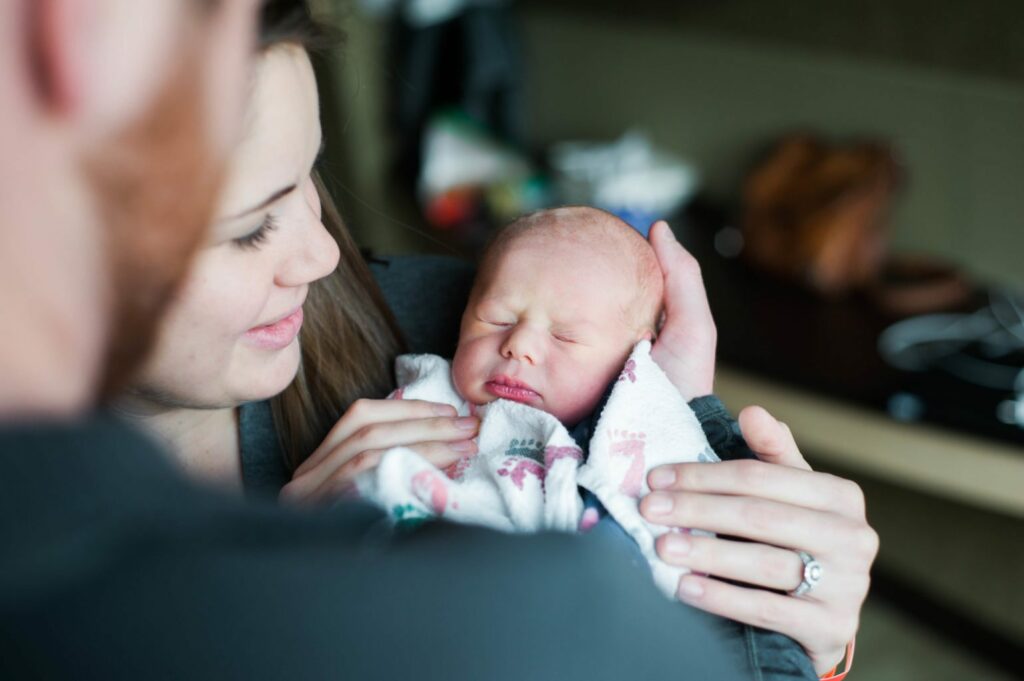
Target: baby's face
(548, 326)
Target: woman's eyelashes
(257, 237)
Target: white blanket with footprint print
(526, 474)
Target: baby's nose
(523, 344)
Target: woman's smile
(276, 335)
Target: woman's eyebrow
(266, 202)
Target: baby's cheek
(466, 372)
(579, 390)
(584, 382)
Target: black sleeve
(113, 567)
(427, 295)
(721, 429)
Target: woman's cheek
(236, 299)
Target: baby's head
(560, 299)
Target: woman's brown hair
(350, 338)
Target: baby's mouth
(510, 388)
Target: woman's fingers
(440, 454)
(805, 488)
(365, 412)
(371, 427)
(324, 484)
(387, 434)
(763, 520)
(770, 438)
(685, 347)
(757, 564)
(822, 632)
(783, 509)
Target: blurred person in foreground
(117, 118)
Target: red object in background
(452, 208)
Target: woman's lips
(509, 388)
(278, 335)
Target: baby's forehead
(575, 233)
(584, 279)
(561, 258)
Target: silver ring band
(812, 574)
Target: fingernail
(659, 503)
(661, 478)
(467, 423)
(690, 588)
(463, 446)
(444, 410)
(677, 545)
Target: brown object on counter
(910, 285)
(816, 213)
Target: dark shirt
(113, 566)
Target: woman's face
(232, 334)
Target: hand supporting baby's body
(526, 475)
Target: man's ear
(57, 30)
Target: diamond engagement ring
(812, 574)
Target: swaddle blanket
(526, 474)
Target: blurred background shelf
(965, 469)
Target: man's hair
(593, 228)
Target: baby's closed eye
(494, 322)
(564, 338)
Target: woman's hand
(685, 347)
(367, 430)
(775, 502)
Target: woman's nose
(314, 254)
(523, 344)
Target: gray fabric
(427, 295)
(264, 469)
(112, 566)
(720, 428)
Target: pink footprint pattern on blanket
(458, 469)
(631, 446)
(553, 454)
(430, 488)
(515, 469)
(628, 372)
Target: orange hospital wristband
(846, 663)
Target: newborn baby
(564, 307)
(561, 298)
